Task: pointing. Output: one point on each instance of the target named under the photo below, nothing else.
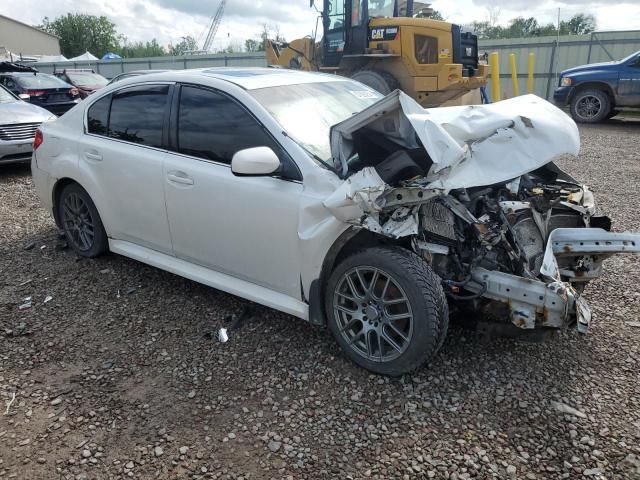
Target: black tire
(420, 292)
(383, 82)
(81, 222)
(590, 106)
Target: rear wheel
(383, 82)
(81, 222)
(590, 106)
(387, 310)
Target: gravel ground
(120, 375)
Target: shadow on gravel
(148, 317)
(14, 170)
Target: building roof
(29, 26)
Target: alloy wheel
(373, 314)
(588, 106)
(78, 222)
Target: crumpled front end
(474, 191)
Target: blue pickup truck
(596, 92)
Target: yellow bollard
(532, 60)
(495, 76)
(514, 74)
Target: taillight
(74, 92)
(38, 139)
(35, 93)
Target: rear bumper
(59, 108)
(43, 184)
(552, 302)
(15, 151)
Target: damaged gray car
(317, 196)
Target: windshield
(40, 80)
(87, 79)
(307, 111)
(381, 8)
(5, 96)
(626, 59)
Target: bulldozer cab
(346, 26)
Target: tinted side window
(213, 127)
(137, 114)
(98, 116)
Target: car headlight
(565, 81)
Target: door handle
(93, 155)
(179, 177)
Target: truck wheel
(590, 106)
(387, 310)
(383, 82)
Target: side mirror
(25, 97)
(255, 161)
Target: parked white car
(19, 121)
(314, 195)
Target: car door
(121, 157)
(629, 86)
(242, 226)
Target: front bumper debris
(554, 302)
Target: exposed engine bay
(504, 228)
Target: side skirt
(220, 281)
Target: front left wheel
(387, 310)
(81, 222)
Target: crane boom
(213, 29)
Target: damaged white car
(314, 195)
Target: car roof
(250, 78)
(139, 72)
(23, 74)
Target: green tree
(142, 49)
(522, 27)
(430, 13)
(484, 30)
(271, 32)
(79, 33)
(186, 44)
(579, 24)
(251, 45)
(519, 27)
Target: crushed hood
(469, 146)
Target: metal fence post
(551, 64)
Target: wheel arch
(55, 197)
(593, 85)
(349, 242)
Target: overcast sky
(168, 20)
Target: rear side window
(98, 116)
(137, 114)
(214, 127)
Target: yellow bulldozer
(381, 44)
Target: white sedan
(315, 195)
